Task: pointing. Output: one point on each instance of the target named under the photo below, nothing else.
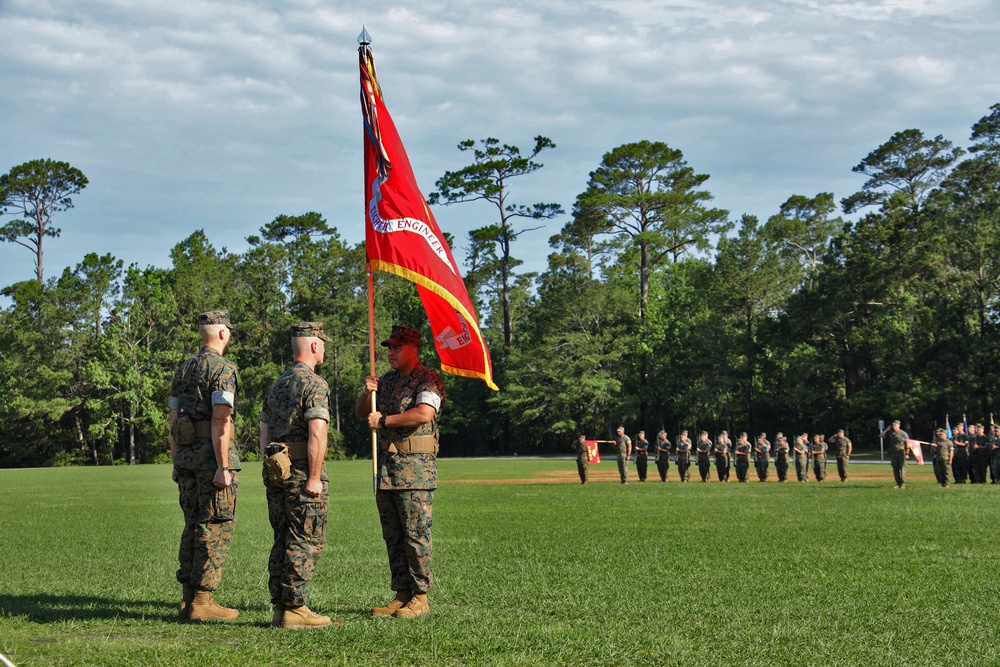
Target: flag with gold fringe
(403, 238)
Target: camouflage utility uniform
(582, 460)
(942, 448)
(298, 520)
(622, 445)
(801, 448)
(203, 381)
(722, 458)
(641, 457)
(406, 478)
(841, 444)
(684, 458)
(663, 456)
(781, 457)
(703, 448)
(896, 443)
(761, 459)
(742, 451)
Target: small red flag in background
(592, 452)
(918, 453)
(402, 238)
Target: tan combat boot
(186, 600)
(204, 608)
(402, 597)
(417, 606)
(279, 612)
(302, 617)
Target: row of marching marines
(969, 457)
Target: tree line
(655, 310)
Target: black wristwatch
(381, 421)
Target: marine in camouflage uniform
(623, 449)
(995, 454)
(582, 458)
(897, 452)
(801, 448)
(843, 448)
(781, 456)
(762, 455)
(960, 460)
(742, 457)
(296, 413)
(202, 404)
(409, 401)
(662, 455)
(684, 456)
(721, 449)
(817, 450)
(943, 450)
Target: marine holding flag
(402, 238)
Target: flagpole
(371, 371)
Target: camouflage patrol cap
(215, 317)
(401, 336)
(309, 330)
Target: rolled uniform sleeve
(316, 402)
(224, 398)
(430, 398)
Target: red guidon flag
(402, 238)
(593, 454)
(918, 452)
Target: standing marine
(960, 460)
(722, 447)
(582, 458)
(662, 455)
(202, 405)
(762, 456)
(623, 448)
(408, 403)
(817, 450)
(781, 456)
(943, 451)
(801, 449)
(641, 455)
(742, 457)
(684, 456)
(704, 450)
(897, 439)
(842, 447)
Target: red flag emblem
(918, 452)
(592, 452)
(402, 238)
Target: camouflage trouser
(406, 528)
(722, 466)
(819, 467)
(623, 468)
(299, 525)
(684, 466)
(842, 462)
(898, 460)
(941, 471)
(781, 467)
(802, 468)
(582, 466)
(209, 515)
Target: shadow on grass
(44, 608)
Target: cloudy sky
(222, 114)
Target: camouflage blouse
(942, 449)
(201, 382)
(840, 444)
(298, 396)
(396, 395)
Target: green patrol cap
(215, 317)
(309, 330)
(401, 336)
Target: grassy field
(531, 569)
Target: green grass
(527, 572)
